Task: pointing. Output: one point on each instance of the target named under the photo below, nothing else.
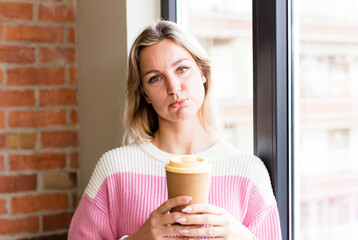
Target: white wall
(140, 13)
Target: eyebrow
(173, 64)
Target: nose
(173, 85)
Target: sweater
(129, 182)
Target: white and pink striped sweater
(129, 182)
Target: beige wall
(105, 31)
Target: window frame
(273, 88)
(168, 10)
(272, 91)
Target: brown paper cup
(188, 176)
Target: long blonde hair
(141, 120)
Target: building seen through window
(327, 162)
(326, 81)
(224, 29)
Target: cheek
(154, 97)
(198, 86)
(198, 92)
(194, 81)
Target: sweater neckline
(162, 156)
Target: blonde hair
(141, 120)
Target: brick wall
(38, 118)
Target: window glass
(327, 126)
(224, 29)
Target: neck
(182, 138)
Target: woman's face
(172, 81)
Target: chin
(179, 116)
(185, 115)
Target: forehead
(163, 53)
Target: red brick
(27, 204)
(57, 1)
(71, 35)
(1, 72)
(73, 75)
(21, 140)
(17, 98)
(37, 118)
(18, 140)
(38, 161)
(74, 200)
(19, 225)
(3, 209)
(57, 221)
(58, 97)
(57, 236)
(2, 140)
(0, 34)
(74, 160)
(59, 139)
(48, 34)
(56, 13)
(17, 54)
(35, 76)
(74, 117)
(58, 55)
(2, 119)
(59, 180)
(15, 10)
(2, 163)
(20, 183)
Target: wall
(106, 30)
(62, 81)
(38, 118)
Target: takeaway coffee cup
(188, 176)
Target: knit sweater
(129, 182)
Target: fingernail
(183, 231)
(186, 199)
(181, 220)
(187, 209)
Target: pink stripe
(129, 198)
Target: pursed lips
(178, 103)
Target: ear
(145, 96)
(203, 79)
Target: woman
(169, 113)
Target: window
(271, 90)
(327, 126)
(224, 29)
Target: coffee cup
(188, 176)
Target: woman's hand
(159, 224)
(222, 225)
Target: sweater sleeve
(262, 216)
(267, 225)
(89, 222)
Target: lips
(178, 103)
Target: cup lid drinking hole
(188, 164)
